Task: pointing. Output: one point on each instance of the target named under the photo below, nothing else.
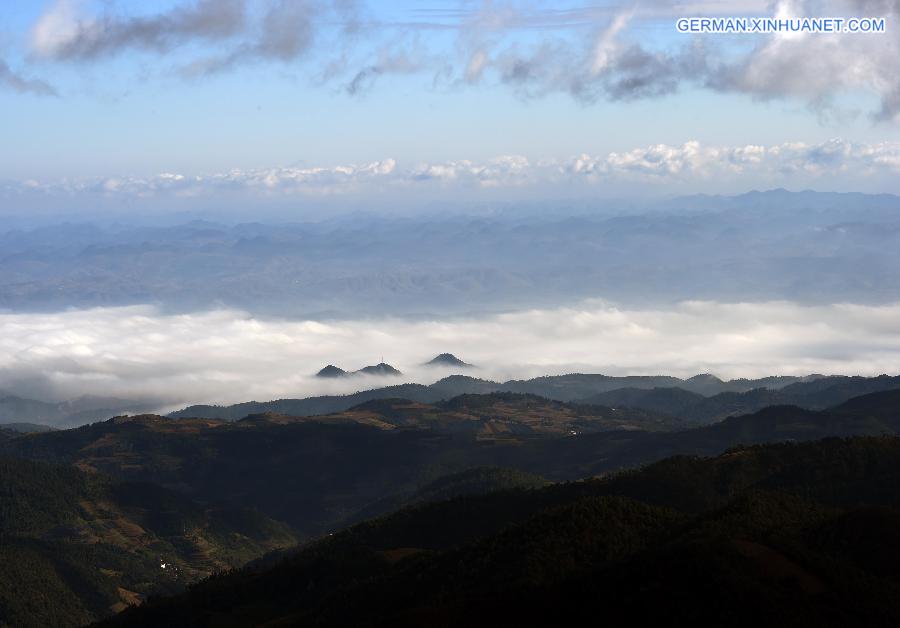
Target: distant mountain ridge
(801, 246)
(572, 387)
(16, 409)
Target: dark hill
(673, 401)
(386, 448)
(75, 547)
(883, 404)
(501, 415)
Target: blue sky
(123, 90)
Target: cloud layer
(661, 167)
(229, 356)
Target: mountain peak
(704, 377)
(381, 368)
(447, 359)
(331, 371)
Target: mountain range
(804, 246)
(345, 462)
(698, 399)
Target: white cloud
(816, 68)
(57, 27)
(661, 166)
(693, 161)
(230, 356)
(507, 170)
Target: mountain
(447, 360)
(442, 466)
(332, 371)
(379, 369)
(785, 534)
(76, 546)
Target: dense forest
(76, 546)
(790, 534)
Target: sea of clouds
(227, 356)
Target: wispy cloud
(285, 33)
(590, 53)
(22, 85)
(65, 33)
(229, 356)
